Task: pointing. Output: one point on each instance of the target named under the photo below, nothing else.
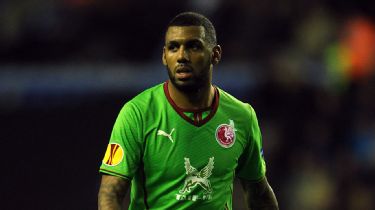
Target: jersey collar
(180, 111)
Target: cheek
(203, 61)
(169, 59)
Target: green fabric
(191, 114)
(174, 164)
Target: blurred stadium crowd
(314, 64)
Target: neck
(200, 99)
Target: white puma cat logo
(163, 133)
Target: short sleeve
(251, 165)
(124, 150)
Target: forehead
(180, 33)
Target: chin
(189, 85)
(186, 86)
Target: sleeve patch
(113, 155)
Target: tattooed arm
(259, 195)
(112, 192)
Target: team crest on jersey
(226, 134)
(195, 178)
(114, 155)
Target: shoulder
(142, 102)
(228, 101)
(144, 98)
(148, 94)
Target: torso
(186, 163)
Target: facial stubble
(193, 84)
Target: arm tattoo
(259, 195)
(112, 192)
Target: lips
(184, 72)
(183, 69)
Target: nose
(183, 56)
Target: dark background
(307, 67)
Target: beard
(190, 85)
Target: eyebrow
(185, 42)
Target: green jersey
(178, 162)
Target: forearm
(259, 195)
(111, 193)
(109, 201)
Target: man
(181, 143)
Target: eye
(172, 47)
(195, 46)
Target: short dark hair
(195, 19)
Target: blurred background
(307, 67)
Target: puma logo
(168, 135)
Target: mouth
(183, 68)
(184, 72)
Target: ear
(216, 54)
(163, 57)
